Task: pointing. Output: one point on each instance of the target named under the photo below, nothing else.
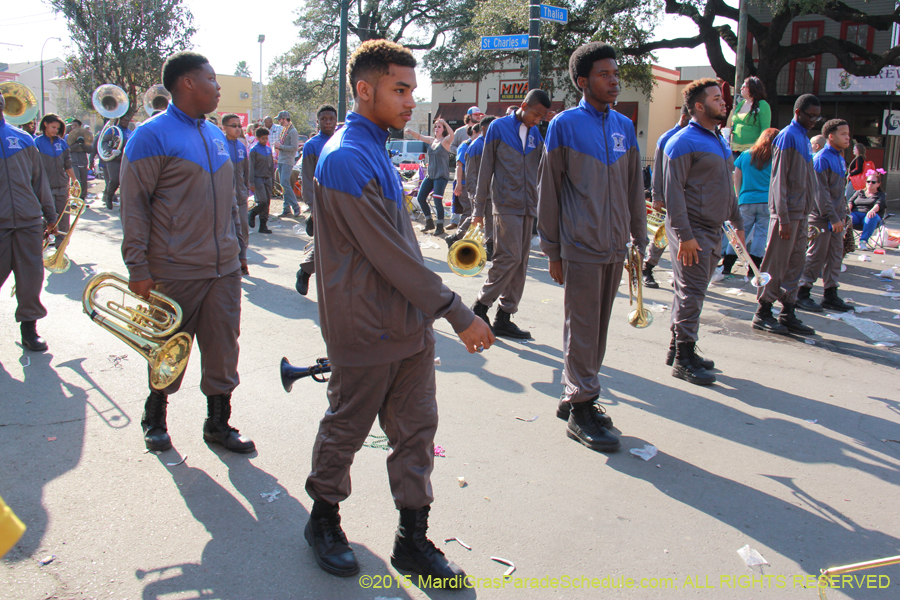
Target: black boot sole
(160, 448)
(511, 334)
(35, 347)
(812, 308)
(679, 374)
(593, 446)
(829, 306)
(210, 439)
(770, 330)
(805, 330)
(322, 564)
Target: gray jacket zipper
(212, 182)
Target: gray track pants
(691, 283)
(784, 262)
(512, 247)
(823, 257)
(21, 254)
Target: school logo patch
(531, 143)
(240, 153)
(57, 146)
(618, 142)
(14, 143)
(220, 146)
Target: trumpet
(110, 101)
(656, 226)
(467, 256)
(21, 104)
(640, 317)
(148, 326)
(290, 373)
(55, 259)
(759, 279)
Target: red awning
(451, 112)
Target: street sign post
(504, 42)
(554, 14)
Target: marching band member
(326, 120)
(177, 166)
(591, 206)
(377, 303)
(473, 166)
(112, 168)
(238, 153)
(24, 197)
(508, 175)
(791, 196)
(826, 252)
(80, 152)
(657, 179)
(57, 161)
(461, 190)
(261, 169)
(699, 194)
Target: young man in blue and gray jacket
(826, 252)
(377, 305)
(176, 165)
(238, 152)
(792, 195)
(699, 193)
(591, 207)
(507, 177)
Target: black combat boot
(310, 227)
(789, 319)
(30, 337)
(706, 363)
(649, 280)
(251, 217)
(686, 366)
(504, 327)
(757, 260)
(262, 225)
(564, 409)
(429, 225)
(584, 429)
(831, 301)
(414, 552)
(302, 285)
(727, 263)
(329, 543)
(764, 320)
(481, 310)
(805, 302)
(439, 229)
(216, 429)
(489, 250)
(153, 422)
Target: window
(804, 74)
(859, 34)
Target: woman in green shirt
(752, 115)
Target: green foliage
(124, 42)
(620, 23)
(242, 69)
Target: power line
(27, 23)
(27, 16)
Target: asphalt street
(795, 452)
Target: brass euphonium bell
(21, 104)
(148, 326)
(467, 256)
(656, 226)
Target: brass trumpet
(640, 317)
(290, 373)
(656, 226)
(148, 326)
(759, 279)
(467, 256)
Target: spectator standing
(437, 175)
(473, 115)
(855, 168)
(286, 143)
(752, 115)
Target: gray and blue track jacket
(57, 158)
(377, 299)
(831, 172)
(591, 187)
(262, 163)
(793, 187)
(24, 192)
(699, 186)
(508, 173)
(658, 178)
(179, 214)
(312, 149)
(473, 164)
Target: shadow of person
(456, 359)
(814, 538)
(278, 299)
(42, 436)
(249, 548)
(71, 283)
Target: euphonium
(640, 317)
(656, 226)
(21, 104)
(75, 189)
(290, 373)
(55, 259)
(812, 233)
(156, 98)
(467, 256)
(759, 279)
(148, 326)
(111, 102)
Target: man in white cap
(473, 115)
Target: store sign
(890, 123)
(513, 91)
(839, 80)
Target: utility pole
(342, 63)
(741, 51)
(43, 112)
(534, 45)
(261, 39)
